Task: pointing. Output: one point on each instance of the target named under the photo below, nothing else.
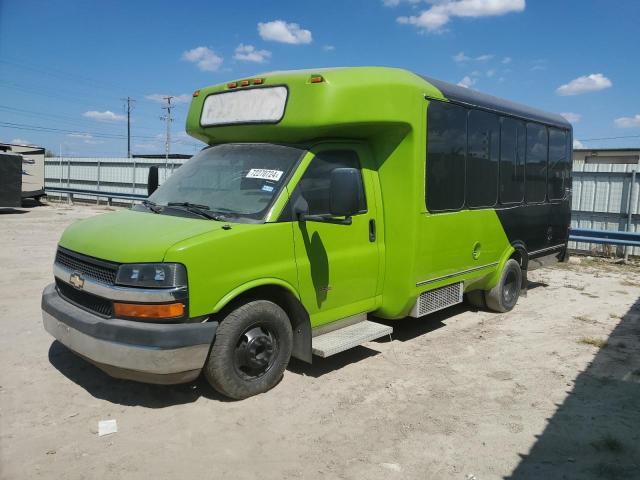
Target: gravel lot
(549, 390)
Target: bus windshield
(235, 181)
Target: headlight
(152, 275)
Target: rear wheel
(251, 350)
(504, 296)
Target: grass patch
(585, 319)
(594, 342)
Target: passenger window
(482, 159)
(446, 152)
(315, 184)
(536, 163)
(559, 164)
(512, 146)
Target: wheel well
(520, 256)
(298, 316)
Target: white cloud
(467, 82)
(571, 117)
(86, 138)
(395, 3)
(249, 53)
(283, 32)
(584, 84)
(462, 58)
(20, 141)
(176, 100)
(439, 14)
(206, 59)
(490, 73)
(628, 122)
(577, 144)
(106, 116)
(506, 60)
(328, 48)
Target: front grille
(98, 270)
(93, 303)
(437, 299)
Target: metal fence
(114, 175)
(606, 196)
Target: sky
(66, 66)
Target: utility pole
(168, 118)
(129, 101)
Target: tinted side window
(536, 163)
(559, 163)
(512, 146)
(446, 146)
(482, 159)
(315, 183)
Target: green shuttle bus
(323, 197)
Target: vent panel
(437, 299)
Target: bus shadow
(126, 392)
(322, 366)
(594, 432)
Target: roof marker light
(258, 81)
(196, 93)
(232, 84)
(316, 79)
(244, 83)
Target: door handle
(372, 230)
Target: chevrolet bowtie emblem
(76, 280)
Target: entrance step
(348, 337)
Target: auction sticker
(265, 174)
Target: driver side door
(338, 265)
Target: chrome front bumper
(148, 352)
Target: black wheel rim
(255, 352)
(510, 289)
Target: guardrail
(70, 192)
(607, 237)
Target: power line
(39, 128)
(607, 138)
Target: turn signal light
(232, 85)
(316, 79)
(138, 310)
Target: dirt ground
(549, 390)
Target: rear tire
(251, 350)
(504, 296)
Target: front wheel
(251, 350)
(504, 295)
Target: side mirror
(345, 192)
(152, 180)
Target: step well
(348, 337)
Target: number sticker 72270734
(265, 174)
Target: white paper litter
(107, 427)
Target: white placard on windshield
(265, 104)
(265, 174)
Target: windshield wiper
(202, 210)
(152, 206)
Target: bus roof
(467, 96)
(353, 102)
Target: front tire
(251, 350)
(504, 296)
